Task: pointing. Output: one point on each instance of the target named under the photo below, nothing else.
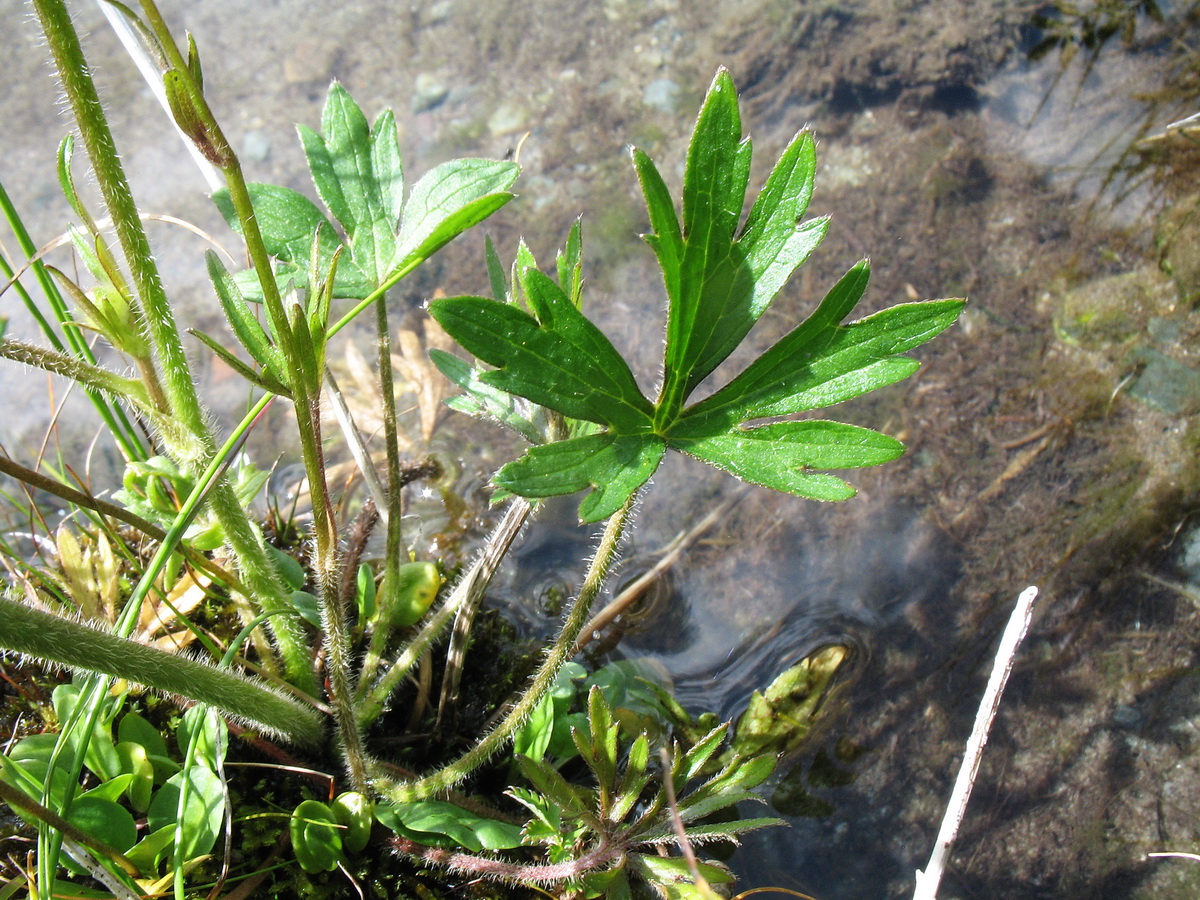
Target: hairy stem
(69, 366)
(77, 646)
(543, 679)
(468, 589)
(156, 315)
(603, 855)
(327, 568)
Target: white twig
(1014, 633)
(154, 79)
(1176, 854)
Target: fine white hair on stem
(1018, 623)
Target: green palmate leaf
(718, 281)
(289, 221)
(287, 218)
(357, 173)
(563, 361)
(614, 465)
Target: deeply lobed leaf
(613, 465)
(563, 362)
(718, 283)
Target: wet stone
(1109, 310)
(662, 94)
(1178, 238)
(429, 92)
(1165, 383)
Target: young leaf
(245, 324)
(448, 200)
(495, 271)
(563, 361)
(614, 465)
(343, 163)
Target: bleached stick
(154, 79)
(1014, 633)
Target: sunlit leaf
(719, 280)
(448, 200)
(436, 821)
(613, 466)
(203, 809)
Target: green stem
(185, 409)
(395, 488)
(77, 646)
(468, 589)
(126, 436)
(159, 320)
(327, 570)
(218, 149)
(372, 297)
(543, 679)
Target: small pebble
(429, 92)
(662, 94)
(256, 146)
(1128, 717)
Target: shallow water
(1040, 451)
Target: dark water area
(1052, 433)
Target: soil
(1052, 434)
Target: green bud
(409, 599)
